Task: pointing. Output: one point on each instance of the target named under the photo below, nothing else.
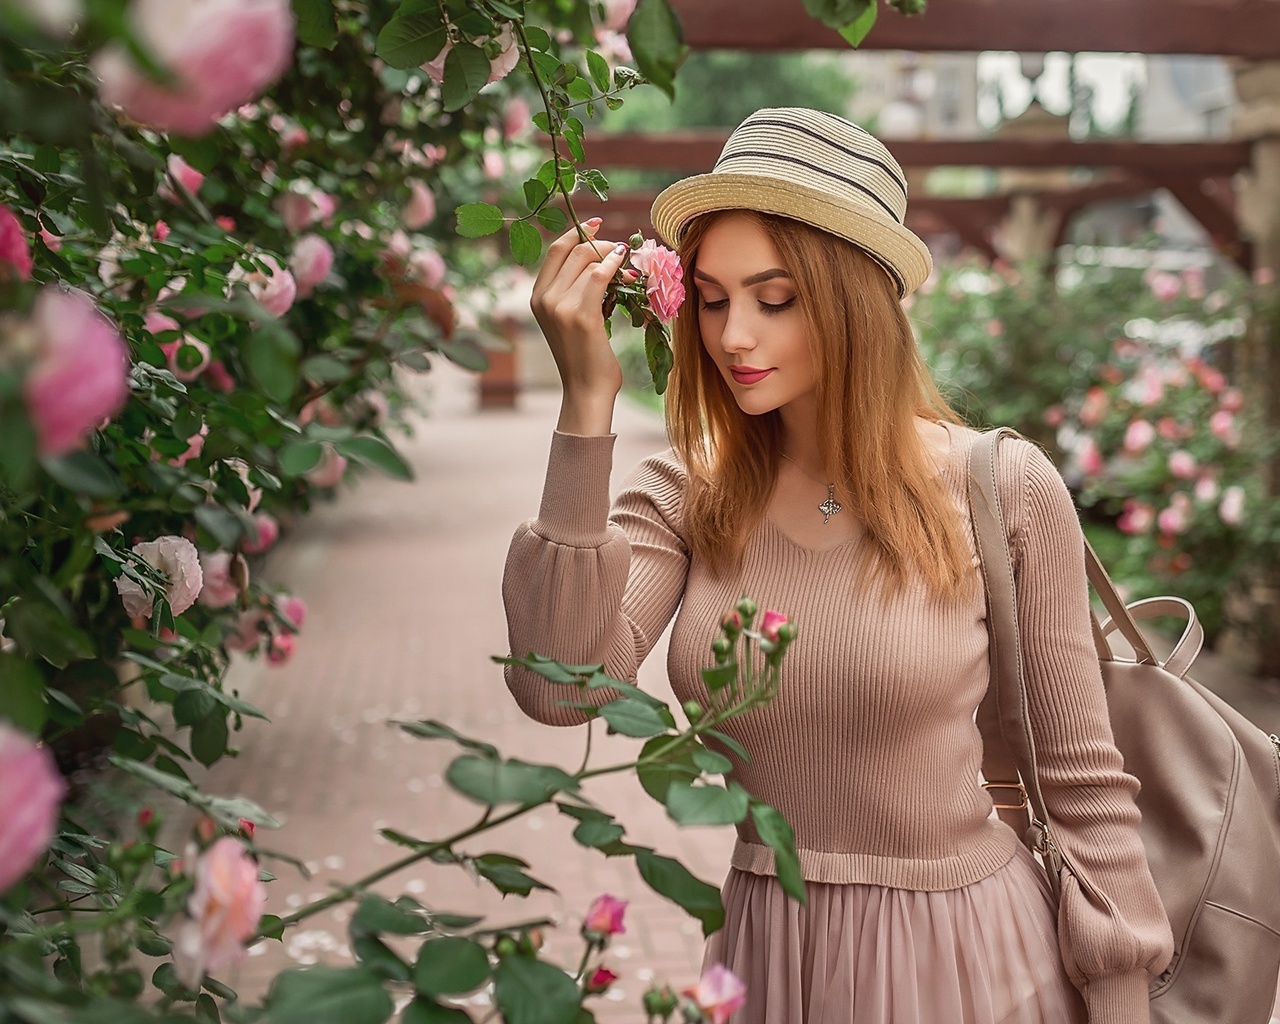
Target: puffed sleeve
(1112, 927)
(585, 584)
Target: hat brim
(898, 249)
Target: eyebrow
(764, 275)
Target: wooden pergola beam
(692, 151)
(1240, 28)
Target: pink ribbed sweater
(870, 749)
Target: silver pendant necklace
(828, 508)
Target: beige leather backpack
(1210, 797)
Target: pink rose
(1138, 435)
(494, 164)
(995, 328)
(310, 263)
(273, 287)
(617, 13)
(1222, 424)
(1094, 407)
(1182, 464)
(1164, 286)
(1089, 457)
(499, 67)
(80, 369)
(1137, 517)
(293, 137)
(604, 917)
(184, 175)
(15, 249)
(195, 445)
(220, 587)
(220, 53)
(246, 635)
(427, 266)
(771, 623)
(223, 911)
(421, 208)
(300, 209)
(1147, 388)
(718, 994)
(1054, 416)
(1231, 399)
(1206, 488)
(1175, 517)
(1231, 509)
(1264, 276)
(31, 791)
(281, 648)
(294, 609)
(217, 377)
(329, 471)
(614, 48)
(176, 558)
(515, 119)
(1193, 281)
(268, 533)
(599, 981)
(664, 277)
(1168, 428)
(161, 231)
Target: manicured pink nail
(593, 222)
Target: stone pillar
(1258, 121)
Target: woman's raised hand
(568, 296)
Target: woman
(815, 467)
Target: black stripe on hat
(834, 145)
(762, 155)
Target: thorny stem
(527, 52)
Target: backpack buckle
(1016, 786)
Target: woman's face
(749, 316)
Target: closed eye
(769, 308)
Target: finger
(588, 290)
(582, 257)
(559, 250)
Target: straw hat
(813, 167)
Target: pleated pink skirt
(866, 954)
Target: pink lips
(749, 374)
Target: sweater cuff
(575, 497)
(1119, 999)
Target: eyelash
(769, 309)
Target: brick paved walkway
(403, 583)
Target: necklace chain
(828, 508)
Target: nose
(738, 334)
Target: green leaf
(711, 762)
(731, 743)
(716, 679)
(84, 473)
(325, 369)
(190, 706)
(598, 833)
(506, 874)
(271, 354)
(672, 879)
(857, 30)
(551, 670)
(657, 350)
(379, 957)
(489, 781)
(526, 243)
(22, 699)
(42, 630)
(837, 13)
(466, 72)
(299, 457)
(465, 352)
(428, 1011)
(553, 219)
(775, 832)
(706, 804)
(316, 25)
(478, 219)
(376, 916)
(656, 777)
(373, 451)
(599, 68)
(538, 37)
(632, 718)
(429, 729)
(535, 193)
(657, 43)
(574, 142)
(410, 40)
(209, 739)
(328, 995)
(450, 966)
(530, 991)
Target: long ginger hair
(872, 383)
